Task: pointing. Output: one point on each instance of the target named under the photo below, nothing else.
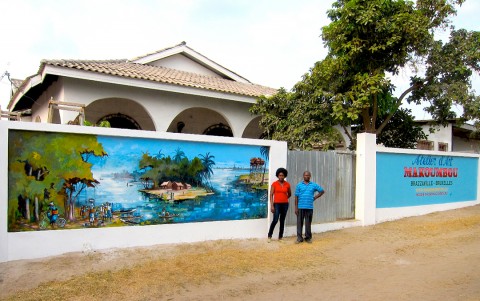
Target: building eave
(125, 81)
(195, 56)
(29, 83)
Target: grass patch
(191, 264)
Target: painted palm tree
(179, 155)
(208, 163)
(160, 155)
(265, 152)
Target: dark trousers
(307, 215)
(280, 212)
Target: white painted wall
(345, 137)
(183, 63)
(389, 214)
(40, 107)
(18, 245)
(441, 134)
(36, 244)
(365, 186)
(465, 145)
(162, 106)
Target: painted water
(231, 201)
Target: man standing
(52, 214)
(304, 198)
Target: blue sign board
(405, 180)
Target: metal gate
(335, 172)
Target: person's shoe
(309, 241)
(269, 240)
(298, 241)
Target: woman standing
(280, 192)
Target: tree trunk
(36, 210)
(263, 174)
(71, 213)
(66, 202)
(27, 209)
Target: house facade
(449, 138)
(172, 90)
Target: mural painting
(71, 181)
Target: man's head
(306, 176)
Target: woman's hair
(281, 170)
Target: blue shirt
(305, 194)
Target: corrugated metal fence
(335, 172)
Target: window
(425, 144)
(443, 147)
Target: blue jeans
(280, 212)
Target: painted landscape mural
(70, 181)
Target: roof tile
(164, 75)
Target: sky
(269, 42)
(126, 152)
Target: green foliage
(207, 168)
(298, 117)
(446, 82)
(160, 168)
(102, 124)
(400, 132)
(368, 41)
(52, 161)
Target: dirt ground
(432, 257)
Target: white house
(175, 89)
(450, 138)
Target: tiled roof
(16, 83)
(124, 68)
(158, 51)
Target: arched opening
(121, 121)
(200, 121)
(121, 113)
(340, 143)
(219, 129)
(253, 129)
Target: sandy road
(432, 257)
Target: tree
(179, 155)
(369, 40)
(52, 161)
(297, 117)
(265, 152)
(102, 124)
(303, 118)
(400, 132)
(160, 168)
(207, 171)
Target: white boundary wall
(36, 244)
(365, 199)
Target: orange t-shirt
(280, 193)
